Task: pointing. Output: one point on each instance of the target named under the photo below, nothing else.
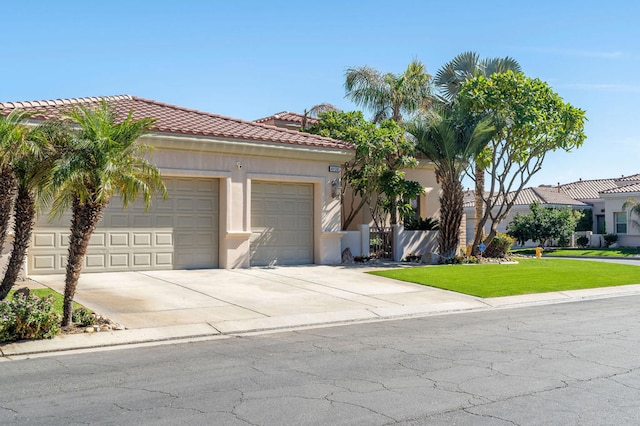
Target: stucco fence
(404, 242)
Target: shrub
(83, 316)
(610, 239)
(499, 246)
(415, 223)
(582, 241)
(28, 317)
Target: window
(620, 220)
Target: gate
(380, 243)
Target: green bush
(28, 317)
(610, 239)
(83, 316)
(582, 241)
(415, 223)
(499, 246)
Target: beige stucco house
(240, 194)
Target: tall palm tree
(450, 139)
(105, 161)
(315, 112)
(12, 134)
(32, 166)
(448, 80)
(389, 95)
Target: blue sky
(249, 59)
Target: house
(605, 198)
(240, 194)
(546, 196)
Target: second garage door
(281, 223)
(178, 233)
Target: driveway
(255, 299)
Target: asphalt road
(574, 363)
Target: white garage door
(281, 223)
(178, 233)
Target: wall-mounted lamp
(336, 188)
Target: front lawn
(528, 276)
(587, 252)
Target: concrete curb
(227, 329)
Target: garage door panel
(180, 232)
(281, 223)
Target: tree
(450, 138)
(12, 135)
(389, 95)
(32, 166)
(543, 224)
(531, 120)
(105, 160)
(374, 174)
(315, 111)
(449, 79)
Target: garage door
(281, 223)
(178, 233)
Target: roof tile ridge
(61, 101)
(239, 120)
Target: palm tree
(450, 139)
(389, 95)
(105, 161)
(448, 79)
(32, 166)
(634, 208)
(315, 111)
(12, 134)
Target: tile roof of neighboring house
(177, 120)
(541, 195)
(587, 189)
(629, 178)
(623, 189)
(289, 117)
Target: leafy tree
(389, 95)
(105, 160)
(585, 223)
(449, 79)
(450, 138)
(12, 136)
(531, 120)
(543, 224)
(32, 166)
(374, 174)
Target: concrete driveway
(255, 299)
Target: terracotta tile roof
(289, 117)
(174, 119)
(635, 187)
(587, 189)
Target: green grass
(588, 252)
(57, 297)
(528, 276)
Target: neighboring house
(240, 194)
(546, 196)
(618, 220)
(604, 197)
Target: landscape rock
(347, 257)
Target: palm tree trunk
(85, 218)
(7, 191)
(451, 212)
(478, 231)
(24, 215)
